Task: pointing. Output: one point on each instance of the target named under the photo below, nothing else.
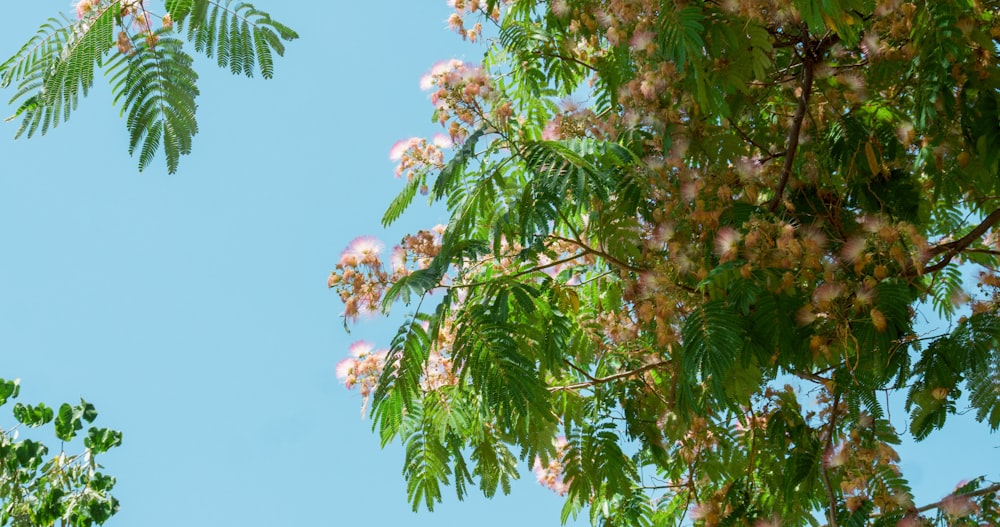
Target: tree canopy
(664, 216)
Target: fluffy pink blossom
(402, 146)
(956, 506)
(397, 260)
(346, 371)
(83, 7)
(551, 475)
(560, 8)
(363, 250)
(360, 349)
(700, 511)
(551, 131)
(853, 249)
(442, 141)
(727, 243)
(827, 293)
(835, 456)
(642, 40)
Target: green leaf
(100, 440)
(155, 85)
(69, 421)
(54, 68)
(239, 36)
(33, 416)
(8, 390)
(713, 338)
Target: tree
(152, 77)
(40, 489)
(662, 214)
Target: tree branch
(598, 252)
(976, 494)
(952, 249)
(808, 71)
(604, 380)
(812, 53)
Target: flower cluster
(362, 368)
(416, 155)
(551, 474)
(87, 10)
(361, 277)
(458, 87)
(456, 21)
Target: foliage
(151, 75)
(39, 489)
(689, 246)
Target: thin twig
(517, 274)
(579, 369)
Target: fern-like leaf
(238, 35)
(427, 466)
(712, 342)
(155, 86)
(54, 68)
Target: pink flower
(551, 131)
(360, 349)
(827, 293)
(401, 147)
(442, 141)
(455, 22)
(397, 260)
(429, 79)
(83, 7)
(560, 8)
(956, 506)
(362, 250)
(642, 40)
(700, 511)
(727, 243)
(853, 249)
(346, 371)
(835, 456)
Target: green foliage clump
(39, 488)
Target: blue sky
(191, 309)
